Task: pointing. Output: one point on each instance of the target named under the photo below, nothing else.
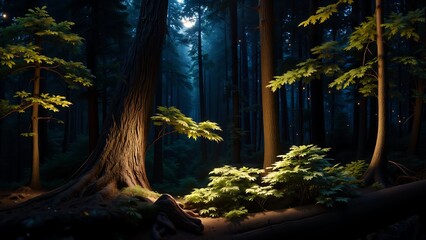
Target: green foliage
(46, 100)
(303, 176)
(171, 116)
(225, 195)
(324, 13)
(364, 75)
(356, 169)
(22, 50)
(404, 25)
(332, 58)
(363, 35)
(236, 213)
(305, 70)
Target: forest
(204, 119)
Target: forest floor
(219, 227)
(10, 198)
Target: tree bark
(269, 106)
(158, 175)
(376, 169)
(35, 167)
(317, 93)
(236, 113)
(118, 159)
(418, 110)
(91, 58)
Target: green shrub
(303, 176)
(225, 195)
(356, 169)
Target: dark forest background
(211, 71)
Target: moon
(188, 23)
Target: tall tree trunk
(35, 168)
(361, 10)
(201, 83)
(236, 114)
(245, 85)
(67, 125)
(317, 93)
(418, 111)
(300, 133)
(269, 106)
(377, 169)
(362, 128)
(92, 93)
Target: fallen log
(362, 215)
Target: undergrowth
(304, 175)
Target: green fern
(226, 192)
(305, 174)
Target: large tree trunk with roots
(118, 160)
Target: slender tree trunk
(67, 119)
(269, 106)
(317, 93)
(418, 111)
(201, 84)
(245, 86)
(236, 114)
(92, 93)
(362, 131)
(361, 10)
(35, 170)
(376, 169)
(300, 133)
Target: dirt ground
(10, 198)
(223, 229)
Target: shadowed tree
(236, 113)
(269, 107)
(317, 93)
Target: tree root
(173, 216)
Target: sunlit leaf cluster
(225, 195)
(306, 70)
(173, 117)
(363, 74)
(324, 13)
(46, 100)
(304, 174)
